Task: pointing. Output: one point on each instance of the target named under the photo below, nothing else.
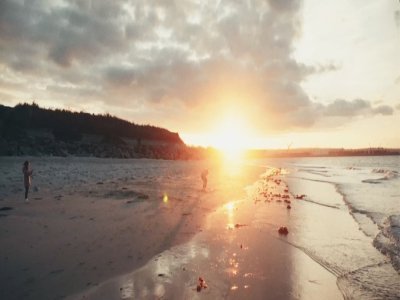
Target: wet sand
(239, 255)
(89, 220)
(129, 229)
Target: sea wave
(352, 168)
(319, 172)
(372, 181)
(381, 170)
(387, 175)
(388, 240)
(369, 188)
(363, 284)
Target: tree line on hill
(68, 125)
(28, 129)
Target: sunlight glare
(231, 137)
(165, 198)
(230, 206)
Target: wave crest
(388, 240)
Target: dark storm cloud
(169, 54)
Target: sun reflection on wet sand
(165, 198)
(234, 267)
(229, 207)
(218, 255)
(229, 210)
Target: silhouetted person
(27, 178)
(204, 175)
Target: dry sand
(127, 229)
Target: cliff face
(27, 129)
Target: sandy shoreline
(239, 255)
(88, 222)
(128, 229)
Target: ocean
(368, 188)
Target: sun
(231, 136)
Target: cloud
(173, 60)
(397, 18)
(384, 110)
(343, 108)
(4, 97)
(62, 33)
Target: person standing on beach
(27, 178)
(204, 175)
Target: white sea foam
(388, 240)
(370, 189)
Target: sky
(259, 74)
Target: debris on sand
(237, 225)
(201, 284)
(283, 230)
(143, 196)
(301, 197)
(288, 207)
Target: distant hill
(28, 129)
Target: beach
(145, 229)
